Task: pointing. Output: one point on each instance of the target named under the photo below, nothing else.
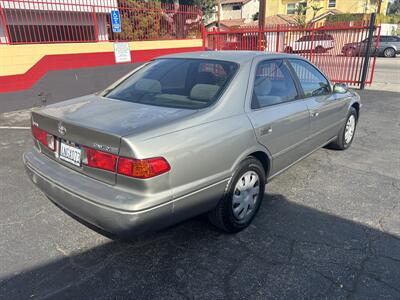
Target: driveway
(328, 228)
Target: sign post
(116, 21)
(122, 53)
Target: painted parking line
(15, 127)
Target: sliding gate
(345, 52)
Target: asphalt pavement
(328, 229)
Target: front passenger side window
(273, 84)
(311, 80)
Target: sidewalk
(387, 75)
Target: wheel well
(288, 49)
(357, 107)
(390, 47)
(264, 160)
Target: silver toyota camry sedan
(186, 134)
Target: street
(387, 74)
(328, 229)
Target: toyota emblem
(61, 129)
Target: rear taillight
(142, 168)
(100, 160)
(44, 137)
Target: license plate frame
(70, 153)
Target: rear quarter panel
(202, 155)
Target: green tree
(255, 16)
(301, 11)
(394, 8)
(206, 6)
(315, 8)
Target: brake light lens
(142, 168)
(100, 160)
(45, 138)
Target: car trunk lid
(98, 123)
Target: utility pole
(368, 51)
(261, 13)
(219, 15)
(378, 10)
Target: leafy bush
(346, 17)
(140, 20)
(390, 19)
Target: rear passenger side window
(273, 84)
(311, 80)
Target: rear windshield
(179, 83)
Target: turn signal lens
(143, 168)
(43, 137)
(100, 160)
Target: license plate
(70, 154)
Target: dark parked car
(389, 46)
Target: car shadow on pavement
(290, 252)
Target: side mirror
(340, 88)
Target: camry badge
(61, 129)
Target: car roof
(234, 56)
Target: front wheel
(242, 198)
(350, 52)
(346, 134)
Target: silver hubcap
(350, 127)
(245, 195)
(389, 52)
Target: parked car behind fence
(389, 46)
(319, 43)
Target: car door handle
(314, 114)
(265, 130)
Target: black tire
(389, 52)
(288, 50)
(340, 142)
(320, 49)
(222, 216)
(351, 52)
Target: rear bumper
(85, 198)
(46, 175)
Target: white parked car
(320, 43)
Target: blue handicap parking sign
(116, 21)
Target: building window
(303, 7)
(291, 8)
(332, 3)
(236, 7)
(30, 26)
(51, 33)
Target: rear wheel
(319, 49)
(288, 50)
(389, 52)
(242, 198)
(346, 134)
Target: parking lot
(328, 228)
